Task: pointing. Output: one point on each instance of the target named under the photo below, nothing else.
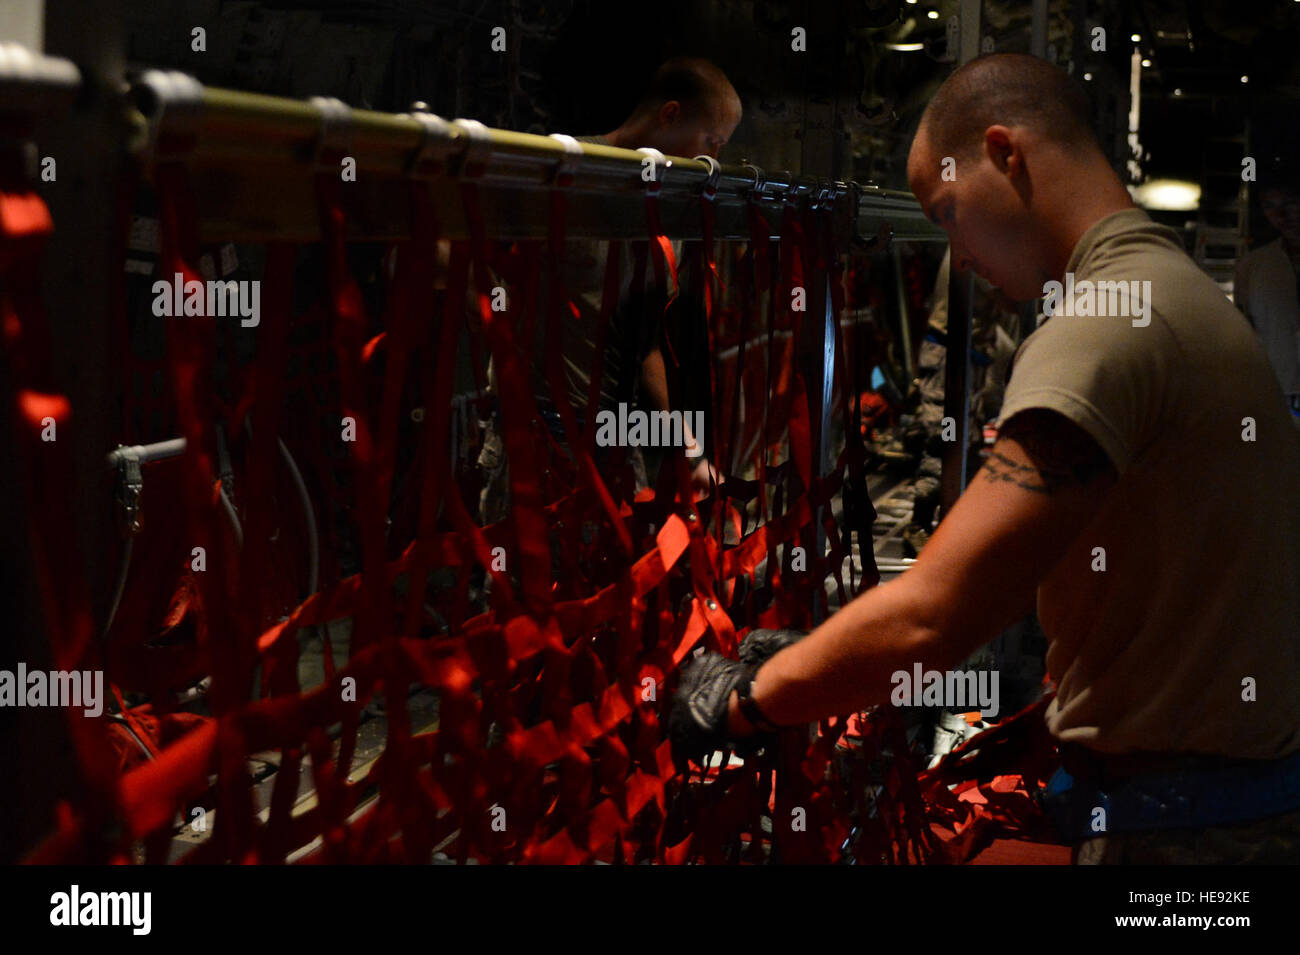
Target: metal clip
(478, 147)
(756, 190)
(568, 164)
(653, 186)
(334, 140)
(429, 158)
(710, 191)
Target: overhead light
(1245, 79)
(1179, 92)
(932, 14)
(905, 47)
(914, 1)
(1146, 62)
(1136, 38)
(1088, 76)
(1168, 195)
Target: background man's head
(690, 109)
(1014, 134)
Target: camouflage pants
(1271, 841)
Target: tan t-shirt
(1198, 607)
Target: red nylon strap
(45, 471)
(608, 303)
(190, 349)
(557, 299)
(532, 539)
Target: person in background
(1265, 285)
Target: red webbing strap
(760, 241)
(557, 299)
(369, 625)
(45, 470)
(708, 273)
(850, 411)
(749, 306)
(267, 394)
(190, 350)
(608, 303)
(532, 537)
(986, 788)
(793, 403)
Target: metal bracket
(568, 163)
(129, 460)
(478, 147)
(334, 140)
(652, 188)
(174, 97)
(130, 485)
(710, 191)
(34, 82)
(429, 158)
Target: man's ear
(670, 112)
(1003, 149)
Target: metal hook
(756, 190)
(711, 181)
(477, 148)
(568, 163)
(438, 135)
(652, 187)
(334, 139)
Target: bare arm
(1040, 487)
(654, 378)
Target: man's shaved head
(1006, 162)
(1008, 89)
(693, 82)
(689, 109)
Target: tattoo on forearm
(1060, 454)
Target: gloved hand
(697, 723)
(759, 646)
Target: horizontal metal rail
(219, 131)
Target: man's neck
(627, 137)
(1095, 194)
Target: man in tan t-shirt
(1143, 492)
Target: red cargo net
(553, 689)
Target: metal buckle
(568, 162)
(710, 191)
(478, 147)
